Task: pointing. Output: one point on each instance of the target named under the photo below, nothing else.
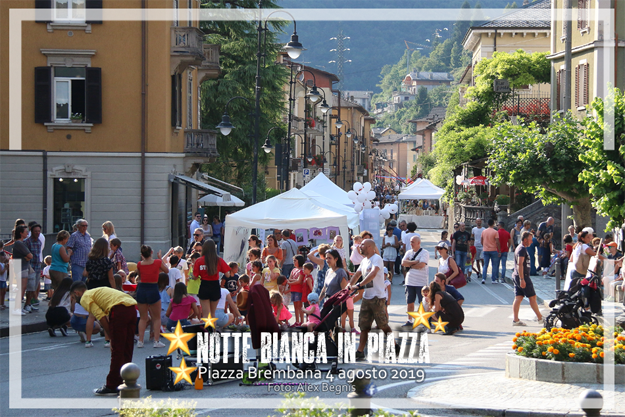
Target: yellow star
(178, 339)
(440, 325)
(182, 372)
(210, 321)
(421, 317)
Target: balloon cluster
(362, 195)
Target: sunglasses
(197, 234)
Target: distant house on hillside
(415, 80)
(359, 97)
(427, 126)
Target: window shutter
(577, 86)
(580, 5)
(94, 5)
(174, 101)
(179, 102)
(558, 88)
(41, 6)
(43, 94)
(585, 81)
(93, 91)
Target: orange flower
(556, 351)
(571, 355)
(600, 343)
(594, 356)
(539, 343)
(513, 346)
(518, 334)
(601, 354)
(521, 349)
(550, 349)
(544, 353)
(514, 339)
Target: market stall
(324, 186)
(292, 210)
(426, 218)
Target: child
(338, 245)
(356, 257)
(47, 282)
(252, 255)
(471, 259)
(230, 283)
(194, 281)
(309, 283)
(244, 283)
(180, 307)
(313, 312)
(117, 257)
(165, 291)
(132, 277)
(175, 275)
(285, 289)
(182, 265)
(425, 292)
(4, 267)
(257, 268)
(296, 283)
(387, 289)
(281, 313)
(119, 281)
(271, 274)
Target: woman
(255, 242)
(217, 226)
(515, 232)
(321, 264)
(390, 244)
(272, 248)
(21, 252)
(338, 245)
(206, 227)
(580, 259)
(148, 297)
(337, 279)
(99, 267)
(208, 266)
(296, 279)
(531, 251)
(58, 314)
(566, 255)
(59, 269)
(224, 319)
(446, 264)
(365, 234)
(108, 231)
(446, 308)
(444, 239)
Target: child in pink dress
(280, 311)
(313, 312)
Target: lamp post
(339, 124)
(294, 48)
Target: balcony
(210, 68)
(200, 142)
(186, 48)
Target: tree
(546, 164)
(604, 171)
(425, 163)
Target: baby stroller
(568, 312)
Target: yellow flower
(550, 349)
(521, 349)
(601, 354)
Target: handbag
(459, 280)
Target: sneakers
(483, 281)
(51, 332)
(105, 391)
(28, 309)
(355, 331)
(479, 275)
(139, 344)
(495, 282)
(89, 344)
(518, 323)
(34, 302)
(541, 321)
(158, 344)
(18, 312)
(107, 344)
(63, 330)
(360, 356)
(407, 324)
(34, 307)
(83, 337)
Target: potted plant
(502, 199)
(464, 197)
(76, 118)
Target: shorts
(243, 312)
(372, 309)
(56, 277)
(479, 253)
(147, 293)
(171, 324)
(296, 296)
(528, 291)
(32, 282)
(412, 292)
(47, 287)
(467, 269)
(57, 316)
(209, 290)
(3, 285)
(79, 323)
(222, 318)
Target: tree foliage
(604, 171)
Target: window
(69, 10)
(582, 14)
(176, 100)
(68, 202)
(69, 93)
(190, 11)
(61, 13)
(189, 100)
(560, 89)
(581, 85)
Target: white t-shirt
(417, 277)
(222, 301)
(4, 268)
(477, 233)
(182, 265)
(46, 275)
(174, 276)
(79, 309)
(366, 266)
(387, 284)
(406, 236)
(194, 225)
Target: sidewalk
(31, 322)
(501, 396)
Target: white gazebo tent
(324, 186)
(424, 190)
(290, 210)
(352, 217)
(226, 200)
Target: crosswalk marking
(478, 311)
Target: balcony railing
(186, 48)
(468, 214)
(209, 69)
(201, 142)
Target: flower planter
(76, 120)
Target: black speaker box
(158, 376)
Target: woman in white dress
(390, 246)
(446, 263)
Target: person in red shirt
(505, 241)
(208, 267)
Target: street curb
(26, 328)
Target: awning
(198, 185)
(213, 200)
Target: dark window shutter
(577, 86)
(558, 88)
(97, 5)
(93, 91)
(585, 81)
(174, 101)
(278, 151)
(43, 94)
(42, 5)
(179, 102)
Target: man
(505, 240)
(459, 246)
(117, 314)
(543, 229)
(373, 305)
(42, 238)
(416, 260)
(476, 234)
(441, 280)
(80, 244)
(289, 250)
(523, 286)
(492, 249)
(198, 237)
(196, 223)
(34, 246)
(217, 229)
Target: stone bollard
(130, 373)
(360, 399)
(591, 402)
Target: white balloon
(368, 204)
(362, 197)
(385, 210)
(352, 195)
(386, 214)
(381, 220)
(367, 186)
(358, 207)
(370, 195)
(393, 208)
(357, 186)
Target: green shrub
(151, 408)
(502, 199)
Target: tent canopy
(324, 186)
(228, 201)
(424, 189)
(290, 210)
(325, 202)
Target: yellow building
(109, 121)
(595, 59)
